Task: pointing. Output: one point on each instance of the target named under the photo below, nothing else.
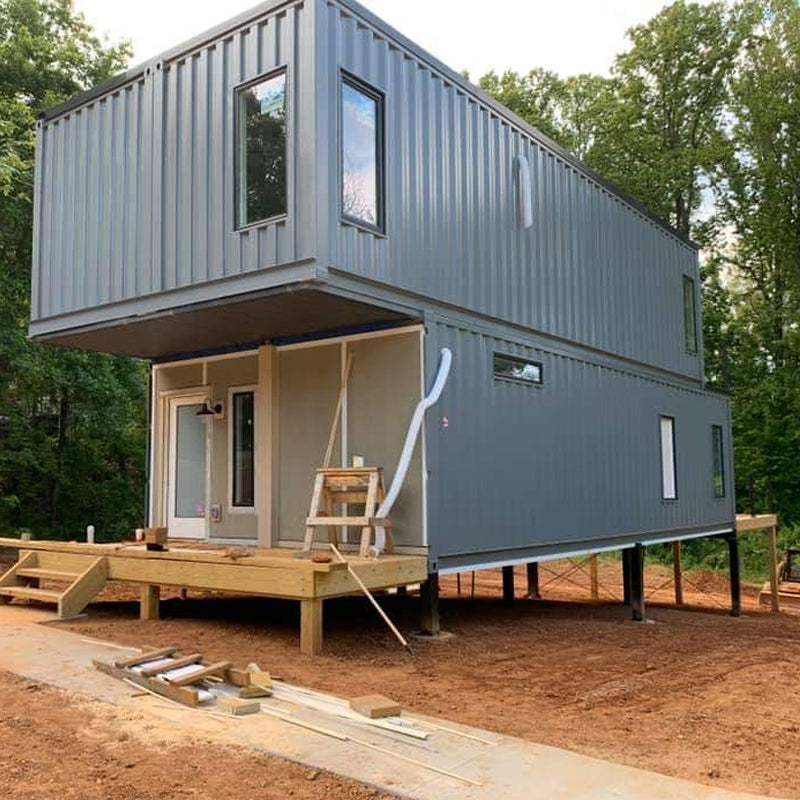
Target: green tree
(72, 425)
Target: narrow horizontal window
(689, 315)
(668, 482)
(719, 460)
(261, 150)
(362, 153)
(512, 368)
(243, 455)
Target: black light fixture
(209, 409)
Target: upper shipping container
(137, 192)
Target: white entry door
(186, 481)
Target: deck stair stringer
(80, 580)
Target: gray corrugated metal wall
(135, 189)
(576, 460)
(591, 270)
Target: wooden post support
(677, 571)
(772, 541)
(149, 605)
(533, 580)
(736, 582)
(594, 584)
(626, 576)
(429, 606)
(508, 585)
(637, 582)
(311, 627)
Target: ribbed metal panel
(519, 466)
(592, 269)
(136, 187)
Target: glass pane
(668, 489)
(243, 450)
(517, 369)
(190, 463)
(359, 155)
(689, 315)
(262, 150)
(719, 464)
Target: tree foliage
(72, 425)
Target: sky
(568, 36)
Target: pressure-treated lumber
(150, 602)
(186, 695)
(238, 707)
(83, 590)
(326, 460)
(217, 669)
(375, 706)
(772, 549)
(311, 627)
(143, 657)
(176, 663)
(594, 582)
(677, 571)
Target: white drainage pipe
(408, 448)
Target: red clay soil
(694, 693)
(54, 747)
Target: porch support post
(150, 602)
(637, 582)
(508, 585)
(677, 571)
(429, 605)
(532, 569)
(266, 420)
(736, 582)
(311, 627)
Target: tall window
(689, 315)
(718, 455)
(261, 150)
(243, 455)
(362, 153)
(668, 484)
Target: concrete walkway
(513, 769)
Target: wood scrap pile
(194, 682)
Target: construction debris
(375, 706)
(238, 707)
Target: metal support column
(508, 586)
(429, 605)
(736, 580)
(636, 571)
(533, 580)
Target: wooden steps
(21, 582)
(31, 593)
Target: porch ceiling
(228, 322)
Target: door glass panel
(190, 463)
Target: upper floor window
(261, 150)
(718, 455)
(362, 153)
(689, 315)
(513, 368)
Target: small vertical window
(362, 153)
(668, 484)
(261, 150)
(689, 315)
(719, 460)
(243, 455)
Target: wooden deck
(240, 570)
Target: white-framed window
(241, 449)
(669, 489)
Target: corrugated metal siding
(136, 188)
(578, 458)
(591, 270)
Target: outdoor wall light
(209, 410)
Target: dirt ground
(694, 693)
(54, 747)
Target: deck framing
(265, 573)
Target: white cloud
(569, 36)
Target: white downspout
(408, 448)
